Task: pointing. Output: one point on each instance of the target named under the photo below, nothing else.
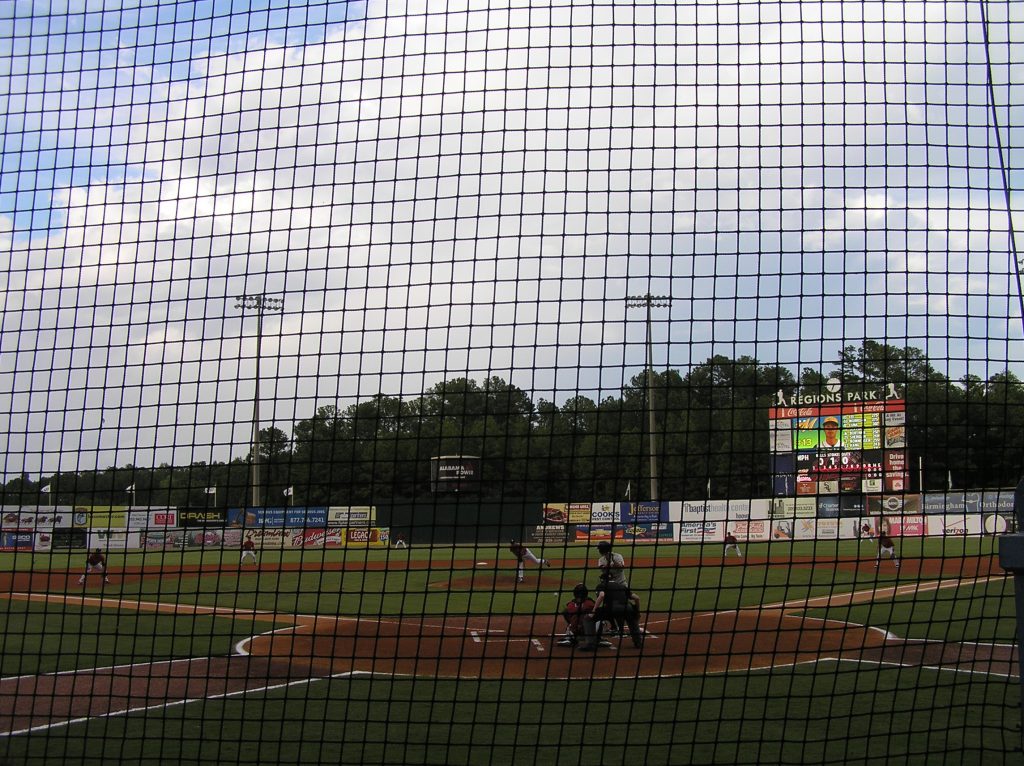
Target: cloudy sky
(473, 188)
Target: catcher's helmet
(604, 546)
(580, 591)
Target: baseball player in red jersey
(248, 551)
(732, 544)
(886, 547)
(576, 610)
(95, 563)
(522, 553)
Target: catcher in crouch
(578, 609)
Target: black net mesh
(341, 341)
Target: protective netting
(342, 341)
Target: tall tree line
(711, 430)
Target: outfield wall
(41, 528)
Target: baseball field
(795, 653)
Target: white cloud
(474, 190)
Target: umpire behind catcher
(615, 602)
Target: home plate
(481, 563)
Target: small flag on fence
(211, 490)
(289, 491)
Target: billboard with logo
(202, 517)
(455, 473)
(838, 441)
(351, 515)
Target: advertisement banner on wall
(64, 517)
(351, 515)
(202, 517)
(997, 502)
(575, 513)
(705, 510)
(893, 504)
(783, 529)
(14, 518)
(852, 506)
(335, 538)
(997, 523)
(557, 513)
(794, 507)
(309, 517)
(952, 503)
(849, 528)
(250, 518)
(644, 513)
(110, 540)
(740, 510)
(372, 537)
(308, 538)
(16, 541)
(752, 531)
(203, 538)
(828, 507)
(604, 513)
(108, 517)
(267, 539)
(151, 518)
(232, 537)
(948, 525)
(699, 531)
(162, 519)
(827, 529)
(593, 532)
(164, 540)
(646, 533)
(805, 529)
(902, 526)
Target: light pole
(649, 301)
(260, 304)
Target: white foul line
(177, 703)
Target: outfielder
(248, 551)
(732, 544)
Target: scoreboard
(836, 447)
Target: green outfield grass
(838, 712)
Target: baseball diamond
(302, 649)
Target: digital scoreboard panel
(855, 444)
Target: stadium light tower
(649, 302)
(260, 304)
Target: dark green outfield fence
(442, 522)
(291, 253)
